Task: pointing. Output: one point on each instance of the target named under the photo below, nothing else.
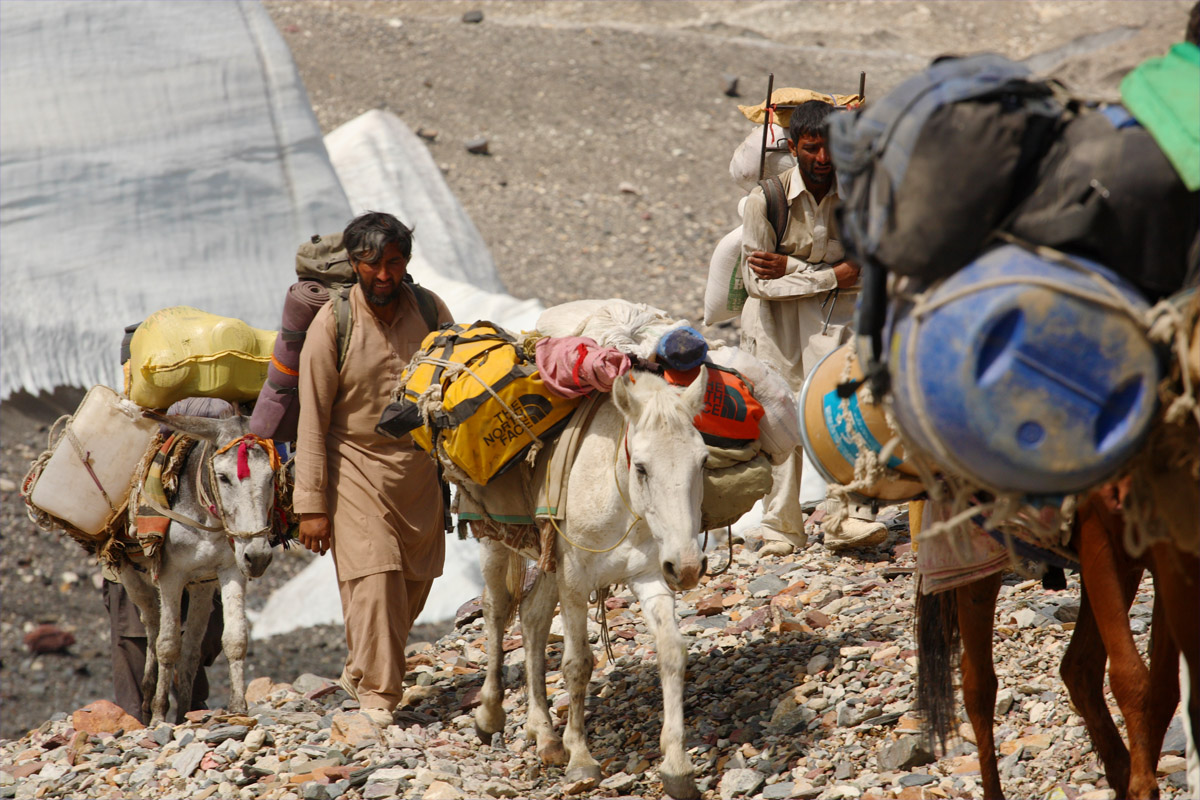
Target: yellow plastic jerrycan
(183, 352)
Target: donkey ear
(623, 397)
(199, 427)
(693, 395)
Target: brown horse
(962, 618)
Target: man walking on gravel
(802, 292)
(374, 500)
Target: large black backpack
(930, 169)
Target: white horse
(219, 533)
(632, 517)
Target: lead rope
(636, 517)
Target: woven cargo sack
(473, 396)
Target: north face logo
(719, 401)
(534, 407)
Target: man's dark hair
(367, 235)
(1193, 27)
(810, 118)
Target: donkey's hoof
(680, 787)
(581, 779)
(552, 754)
(484, 737)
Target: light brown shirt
(781, 314)
(381, 493)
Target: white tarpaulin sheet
(151, 155)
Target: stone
(740, 783)
(255, 739)
(353, 729)
(818, 664)
(843, 771)
(730, 85)
(765, 583)
(474, 16)
(8, 485)
(1175, 742)
(478, 145)
(440, 790)
(223, 733)
(1032, 744)
(471, 610)
(500, 789)
(779, 791)
(313, 791)
(1024, 617)
(104, 716)
(790, 717)
(917, 779)
(259, 689)
(47, 638)
(1008, 764)
(185, 762)
(378, 790)
(621, 782)
(308, 682)
(1004, 702)
(903, 754)
(1067, 612)
(1171, 764)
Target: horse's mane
(660, 404)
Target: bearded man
(374, 500)
(801, 288)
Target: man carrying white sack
(802, 293)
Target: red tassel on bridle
(243, 460)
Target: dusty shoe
(774, 548)
(380, 716)
(347, 686)
(856, 533)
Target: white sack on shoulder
(743, 167)
(718, 305)
(779, 429)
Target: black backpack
(928, 171)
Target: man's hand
(314, 532)
(846, 274)
(767, 266)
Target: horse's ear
(199, 427)
(693, 395)
(622, 395)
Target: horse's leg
(1177, 585)
(199, 607)
(577, 670)
(1082, 671)
(234, 637)
(658, 609)
(145, 597)
(1106, 573)
(976, 614)
(166, 644)
(495, 562)
(537, 612)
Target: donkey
(221, 521)
(632, 517)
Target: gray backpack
(929, 170)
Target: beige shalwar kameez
(781, 315)
(381, 494)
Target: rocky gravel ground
(610, 128)
(800, 684)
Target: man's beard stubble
(377, 299)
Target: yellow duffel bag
(183, 352)
(474, 392)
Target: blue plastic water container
(1026, 387)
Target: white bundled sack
(632, 328)
(724, 294)
(743, 167)
(779, 428)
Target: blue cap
(682, 348)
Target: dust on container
(1025, 374)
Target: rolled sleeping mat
(276, 413)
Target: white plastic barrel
(114, 441)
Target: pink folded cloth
(573, 366)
